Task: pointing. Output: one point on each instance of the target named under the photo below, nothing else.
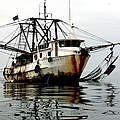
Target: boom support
(94, 48)
(9, 48)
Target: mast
(45, 12)
(33, 39)
(69, 12)
(45, 9)
(39, 10)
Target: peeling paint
(71, 65)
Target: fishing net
(103, 69)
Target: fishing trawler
(49, 57)
(46, 53)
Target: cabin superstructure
(58, 48)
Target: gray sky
(100, 17)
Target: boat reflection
(111, 94)
(37, 101)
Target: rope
(92, 35)
(98, 72)
(11, 54)
(89, 34)
(11, 24)
(13, 32)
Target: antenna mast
(69, 12)
(45, 9)
(39, 10)
(45, 12)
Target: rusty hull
(63, 69)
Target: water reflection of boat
(111, 94)
(66, 93)
(56, 102)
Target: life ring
(37, 69)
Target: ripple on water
(89, 100)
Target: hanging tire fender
(37, 69)
(50, 59)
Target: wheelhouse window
(69, 43)
(61, 44)
(75, 43)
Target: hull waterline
(56, 70)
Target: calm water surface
(88, 101)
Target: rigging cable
(11, 24)
(87, 33)
(11, 53)
(92, 35)
(13, 32)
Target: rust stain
(71, 65)
(74, 64)
(82, 62)
(78, 63)
(24, 75)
